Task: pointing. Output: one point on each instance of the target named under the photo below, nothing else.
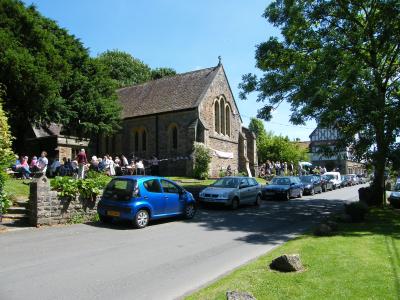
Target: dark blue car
(283, 187)
(143, 198)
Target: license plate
(113, 213)
(269, 193)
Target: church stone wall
(215, 140)
(177, 163)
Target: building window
(144, 140)
(173, 137)
(216, 116)
(136, 141)
(222, 112)
(228, 121)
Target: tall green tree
(275, 147)
(49, 77)
(124, 68)
(338, 63)
(158, 73)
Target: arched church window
(216, 116)
(222, 112)
(136, 141)
(144, 140)
(228, 120)
(173, 137)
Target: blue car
(143, 198)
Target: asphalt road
(163, 261)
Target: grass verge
(17, 188)
(362, 261)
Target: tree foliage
(124, 68)
(275, 147)
(6, 155)
(49, 76)
(158, 73)
(127, 70)
(338, 63)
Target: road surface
(163, 261)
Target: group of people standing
(277, 168)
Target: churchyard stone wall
(48, 208)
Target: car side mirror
(242, 186)
(293, 183)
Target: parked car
(362, 179)
(141, 199)
(311, 184)
(283, 187)
(232, 191)
(347, 181)
(354, 179)
(326, 184)
(394, 198)
(335, 178)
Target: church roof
(179, 92)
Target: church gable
(218, 111)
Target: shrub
(356, 210)
(202, 159)
(76, 218)
(368, 196)
(65, 186)
(87, 188)
(6, 156)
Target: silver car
(232, 191)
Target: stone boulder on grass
(287, 263)
(236, 295)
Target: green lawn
(361, 262)
(17, 188)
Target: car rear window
(281, 181)
(120, 189)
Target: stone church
(165, 117)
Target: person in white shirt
(139, 167)
(42, 162)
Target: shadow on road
(273, 221)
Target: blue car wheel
(141, 219)
(190, 211)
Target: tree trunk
(380, 164)
(379, 181)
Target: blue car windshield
(397, 187)
(226, 183)
(281, 181)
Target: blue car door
(173, 201)
(153, 195)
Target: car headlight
(225, 195)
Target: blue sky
(184, 35)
